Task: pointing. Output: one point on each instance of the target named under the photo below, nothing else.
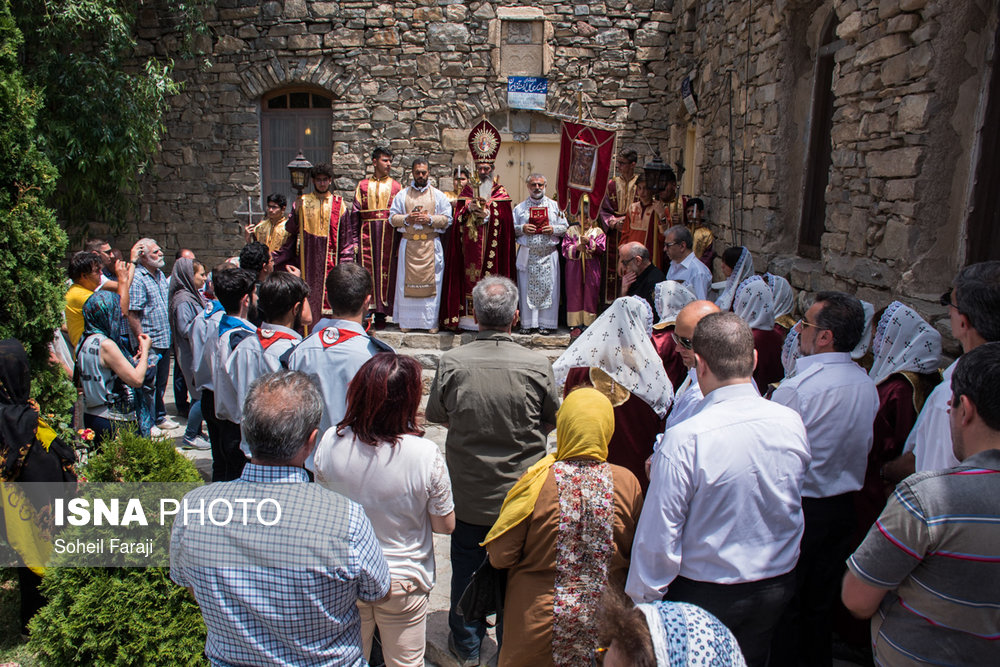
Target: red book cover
(539, 217)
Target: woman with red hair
(377, 458)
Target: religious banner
(585, 157)
(527, 92)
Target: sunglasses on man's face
(686, 343)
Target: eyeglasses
(686, 343)
(806, 323)
(672, 243)
(945, 300)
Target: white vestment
(538, 265)
(414, 312)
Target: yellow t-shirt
(75, 298)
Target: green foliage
(32, 245)
(121, 616)
(131, 458)
(126, 616)
(103, 105)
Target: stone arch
(257, 79)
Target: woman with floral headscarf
(615, 355)
(737, 264)
(671, 296)
(755, 305)
(565, 532)
(906, 351)
(784, 302)
(103, 366)
(663, 634)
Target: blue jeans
(466, 557)
(194, 421)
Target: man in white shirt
(974, 311)
(685, 267)
(837, 402)
(688, 395)
(722, 520)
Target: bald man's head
(687, 320)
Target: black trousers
(750, 610)
(805, 634)
(227, 459)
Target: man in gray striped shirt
(928, 573)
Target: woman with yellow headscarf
(565, 533)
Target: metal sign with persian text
(527, 92)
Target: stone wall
(907, 86)
(414, 75)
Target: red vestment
(377, 246)
(769, 369)
(642, 225)
(318, 239)
(475, 251)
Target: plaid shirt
(274, 610)
(148, 297)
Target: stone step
(427, 348)
(446, 340)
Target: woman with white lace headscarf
(670, 297)
(784, 301)
(906, 352)
(755, 305)
(616, 356)
(737, 264)
(860, 350)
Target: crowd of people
(727, 482)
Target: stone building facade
(846, 143)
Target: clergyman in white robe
(421, 256)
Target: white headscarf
(618, 342)
(790, 350)
(754, 303)
(742, 271)
(784, 296)
(671, 296)
(866, 334)
(903, 342)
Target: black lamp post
(299, 169)
(657, 173)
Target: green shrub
(131, 458)
(121, 616)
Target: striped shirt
(936, 547)
(283, 594)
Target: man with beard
(376, 247)
(148, 314)
(318, 238)
(539, 226)
(482, 237)
(421, 214)
(282, 303)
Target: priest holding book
(539, 226)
